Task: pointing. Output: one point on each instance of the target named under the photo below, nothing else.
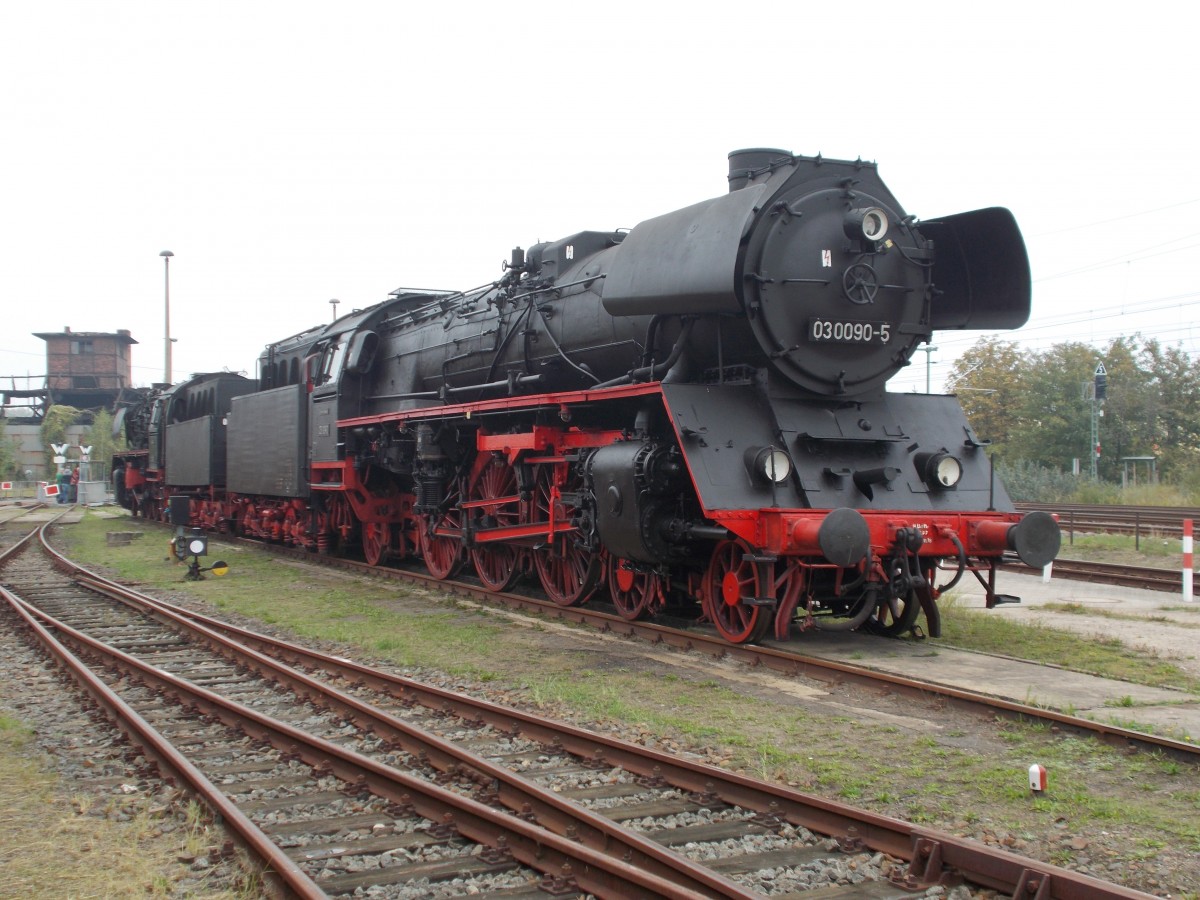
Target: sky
(292, 153)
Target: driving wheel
(569, 572)
(732, 587)
(496, 562)
(636, 594)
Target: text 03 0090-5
(849, 332)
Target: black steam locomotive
(690, 414)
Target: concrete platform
(1151, 621)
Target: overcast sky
(292, 153)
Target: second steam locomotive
(691, 414)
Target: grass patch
(56, 845)
(893, 763)
(1105, 656)
(1150, 544)
(311, 602)
(1079, 609)
(1152, 550)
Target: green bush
(1029, 482)
(1101, 493)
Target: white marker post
(1188, 595)
(1037, 778)
(1048, 569)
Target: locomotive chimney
(744, 163)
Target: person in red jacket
(74, 485)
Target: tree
(987, 380)
(100, 438)
(1052, 421)
(8, 455)
(1127, 427)
(1174, 436)
(1037, 407)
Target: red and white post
(1037, 778)
(1188, 596)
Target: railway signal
(1099, 394)
(195, 545)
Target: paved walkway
(1150, 621)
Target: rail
(1139, 521)
(932, 854)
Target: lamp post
(334, 304)
(928, 349)
(166, 255)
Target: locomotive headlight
(939, 470)
(769, 464)
(869, 223)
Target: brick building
(89, 370)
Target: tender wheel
(635, 594)
(569, 573)
(336, 526)
(242, 527)
(730, 583)
(441, 541)
(497, 563)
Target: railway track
(1145, 521)
(339, 777)
(1141, 577)
(785, 658)
(1141, 521)
(10, 512)
(788, 659)
(299, 762)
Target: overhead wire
(1028, 334)
(1122, 218)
